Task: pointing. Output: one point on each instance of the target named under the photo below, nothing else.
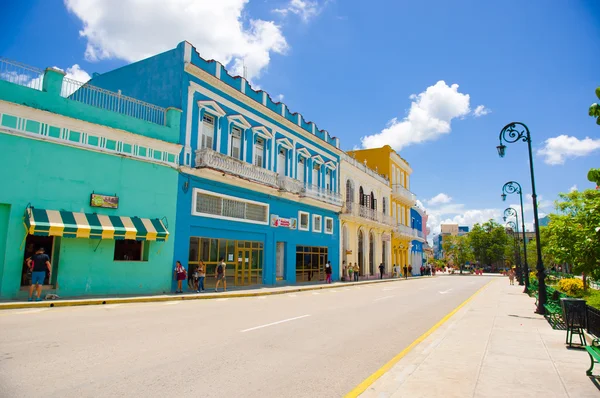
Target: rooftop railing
(365, 168)
(21, 74)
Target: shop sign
(276, 221)
(111, 202)
(385, 237)
(348, 251)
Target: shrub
(571, 286)
(533, 276)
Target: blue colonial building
(258, 185)
(416, 220)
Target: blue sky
(386, 70)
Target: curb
(195, 296)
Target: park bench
(594, 353)
(553, 313)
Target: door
(281, 157)
(280, 261)
(315, 175)
(242, 268)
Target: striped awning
(92, 226)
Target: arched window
(384, 206)
(373, 201)
(361, 197)
(349, 191)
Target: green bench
(594, 353)
(553, 313)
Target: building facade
(366, 222)
(89, 175)
(416, 249)
(259, 185)
(389, 163)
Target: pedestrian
(381, 269)
(328, 271)
(350, 272)
(405, 271)
(422, 270)
(356, 272)
(410, 270)
(344, 271)
(511, 276)
(38, 263)
(191, 278)
(201, 275)
(180, 276)
(220, 274)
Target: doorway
(280, 261)
(371, 254)
(361, 252)
(32, 244)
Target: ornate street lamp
(508, 213)
(510, 188)
(513, 132)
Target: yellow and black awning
(92, 226)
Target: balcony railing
(21, 74)
(409, 232)
(364, 168)
(358, 210)
(208, 158)
(399, 190)
(215, 160)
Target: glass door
(242, 268)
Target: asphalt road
(309, 344)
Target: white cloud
(74, 72)
(440, 198)
(481, 110)
(573, 188)
(429, 117)
(279, 97)
(558, 149)
(130, 30)
(303, 8)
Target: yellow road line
(362, 387)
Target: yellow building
(397, 170)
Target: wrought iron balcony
(403, 193)
(358, 210)
(211, 159)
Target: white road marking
(274, 323)
(383, 298)
(261, 297)
(291, 295)
(390, 288)
(30, 311)
(445, 291)
(171, 302)
(333, 291)
(109, 306)
(315, 293)
(222, 299)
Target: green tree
(594, 110)
(458, 250)
(489, 243)
(594, 176)
(574, 236)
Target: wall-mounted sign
(111, 202)
(385, 237)
(276, 221)
(348, 251)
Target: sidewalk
(494, 346)
(251, 291)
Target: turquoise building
(91, 176)
(258, 184)
(416, 251)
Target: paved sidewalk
(495, 346)
(251, 291)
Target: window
(349, 191)
(208, 131)
(317, 223)
(303, 221)
(315, 174)
(328, 179)
(215, 205)
(301, 169)
(131, 250)
(384, 206)
(236, 142)
(361, 196)
(328, 225)
(282, 161)
(259, 149)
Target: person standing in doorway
(180, 275)
(38, 264)
(328, 271)
(356, 272)
(220, 275)
(381, 269)
(405, 271)
(201, 275)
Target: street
(308, 344)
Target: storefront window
(310, 263)
(131, 250)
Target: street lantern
(503, 197)
(511, 133)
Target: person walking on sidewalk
(381, 269)
(356, 272)
(350, 272)
(180, 275)
(405, 271)
(201, 275)
(38, 263)
(220, 275)
(511, 276)
(328, 272)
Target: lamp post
(510, 212)
(509, 188)
(513, 132)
